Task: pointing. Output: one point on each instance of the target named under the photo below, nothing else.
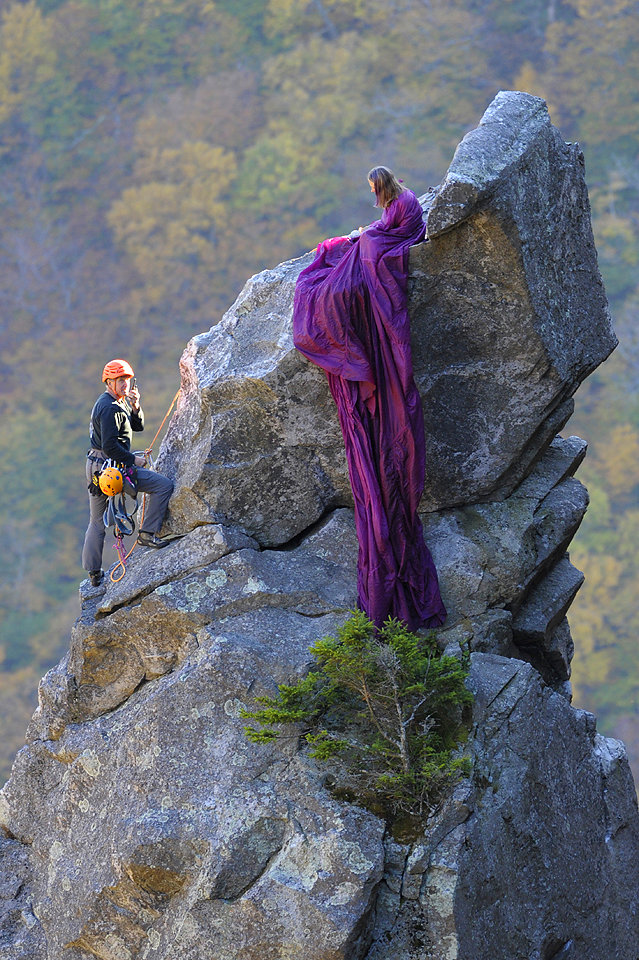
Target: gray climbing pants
(160, 489)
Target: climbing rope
(147, 452)
(118, 546)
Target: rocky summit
(139, 822)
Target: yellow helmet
(111, 481)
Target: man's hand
(134, 398)
(139, 461)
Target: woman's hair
(386, 185)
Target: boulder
(508, 315)
(171, 829)
(557, 814)
(493, 559)
(535, 859)
(140, 793)
(139, 820)
(203, 546)
(506, 292)
(255, 439)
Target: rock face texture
(507, 292)
(139, 822)
(508, 315)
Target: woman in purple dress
(350, 318)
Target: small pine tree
(384, 708)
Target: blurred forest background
(156, 153)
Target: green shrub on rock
(384, 709)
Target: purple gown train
(350, 318)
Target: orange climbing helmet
(115, 369)
(111, 481)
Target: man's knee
(156, 485)
(164, 486)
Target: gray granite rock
(507, 291)
(510, 294)
(487, 156)
(546, 819)
(559, 649)
(170, 825)
(546, 605)
(145, 571)
(557, 519)
(141, 823)
(255, 440)
(560, 461)
(112, 655)
(537, 857)
(490, 632)
(489, 555)
(21, 935)
(189, 833)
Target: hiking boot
(152, 540)
(96, 577)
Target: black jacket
(111, 428)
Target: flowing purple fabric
(350, 318)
